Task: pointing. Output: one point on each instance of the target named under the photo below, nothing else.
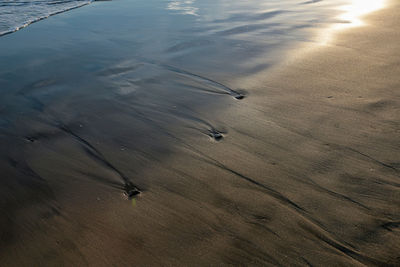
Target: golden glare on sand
(351, 16)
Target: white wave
(17, 14)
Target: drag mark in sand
(129, 188)
(237, 94)
(391, 225)
(211, 131)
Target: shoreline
(45, 17)
(306, 171)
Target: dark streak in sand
(391, 225)
(129, 188)
(236, 94)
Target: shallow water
(184, 49)
(220, 39)
(164, 58)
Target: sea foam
(17, 14)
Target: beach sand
(304, 171)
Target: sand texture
(302, 171)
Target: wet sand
(303, 171)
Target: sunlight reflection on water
(183, 7)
